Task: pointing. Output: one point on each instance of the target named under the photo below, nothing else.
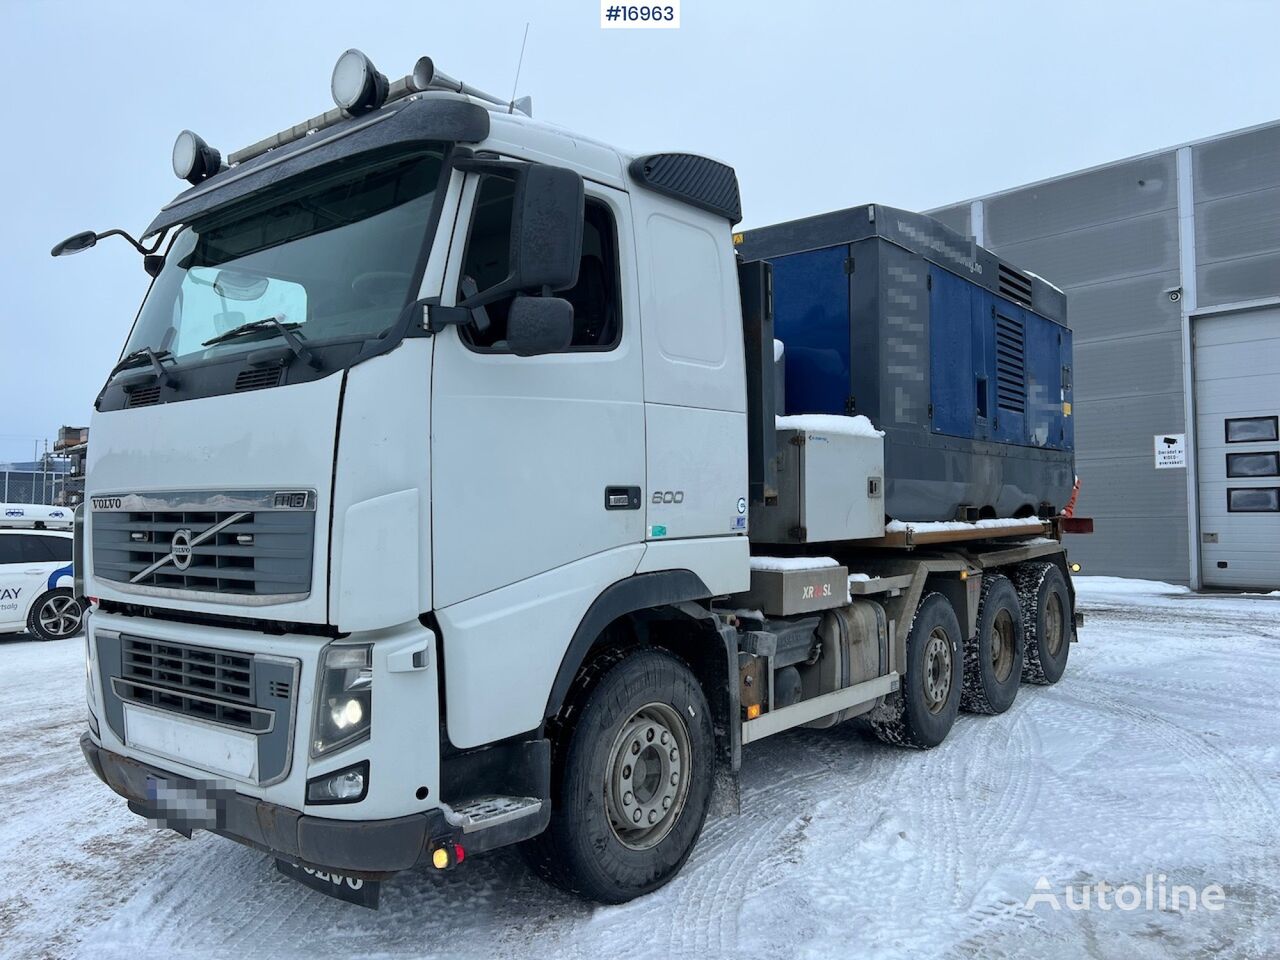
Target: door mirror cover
(539, 325)
(546, 227)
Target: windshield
(336, 258)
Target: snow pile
(1124, 585)
(949, 526)
(791, 564)
(858, 426)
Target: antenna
(520, 63)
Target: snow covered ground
(1158, 754)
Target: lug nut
(675, 755)
(648, 734)
(675, 778)
(626, 772)
(666, 803)
(626, 798)
(635, 746)
(653, 816)
(636, 816)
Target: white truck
(419, 510)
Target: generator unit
(962, 359)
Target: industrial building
(1171, 265)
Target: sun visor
(416, 120)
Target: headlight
(344, 704)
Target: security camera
(1175, 294)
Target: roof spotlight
(193, 159)
(357, 85)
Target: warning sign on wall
(1171, 450)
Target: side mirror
(74, 244)
(546, 227)
(539, 325)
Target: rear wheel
(1046, 621)
(633, 783)
(994, 654)
(924, 709)
(55, 616)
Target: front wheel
(55, 616)
(634, 783)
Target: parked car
(36, 592)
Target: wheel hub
(1053, 625)
(60, 616)
(647, 782)
(1002, 651)
(937, 670)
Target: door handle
(622, 498)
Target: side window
(10, 550)
(597, 312)
(57, 548)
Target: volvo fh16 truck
(454, 489)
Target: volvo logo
(180, 549)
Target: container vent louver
(258, 379)
(143, 396)
(1015, 285)
(1011, 368)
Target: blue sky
(914, 103)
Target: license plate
(185, 805)
(355, 890)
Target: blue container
(961, 358)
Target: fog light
(357, 86)
(193, 159)
(348, 785)
(1075, 568)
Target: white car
(36, 592)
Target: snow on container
(962, 359)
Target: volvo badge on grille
(181, 549)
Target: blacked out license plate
(355, 890)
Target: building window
(1253, 429)
(1253, 464)
(1253, 500)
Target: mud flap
(361, 892)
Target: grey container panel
(1117, 192)
(929, 481)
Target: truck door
(527, 452)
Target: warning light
(440, 858)
(1075, 568)
(753, 711)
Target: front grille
(1011, 367)
(1014, 284)
(200, 682)
(243, 548)
(143, 396)
(258, 379)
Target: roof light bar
(358, 87)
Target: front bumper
(368, 848)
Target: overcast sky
(818, 106)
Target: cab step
(482, 813)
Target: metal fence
(36, 486)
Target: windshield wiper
(145, 353)
(282, 329)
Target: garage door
(1237, 370)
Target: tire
(1046, 621)
(609, 843)
(55, 615)
(924, 709)
(993, 656)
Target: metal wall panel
(1107, 251)
(1132, 367)
(1237, 164)
(1082, 201)
(1125, 307)
(957, 218)
(1124, 427)
(1238, 247)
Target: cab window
(597, 320)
